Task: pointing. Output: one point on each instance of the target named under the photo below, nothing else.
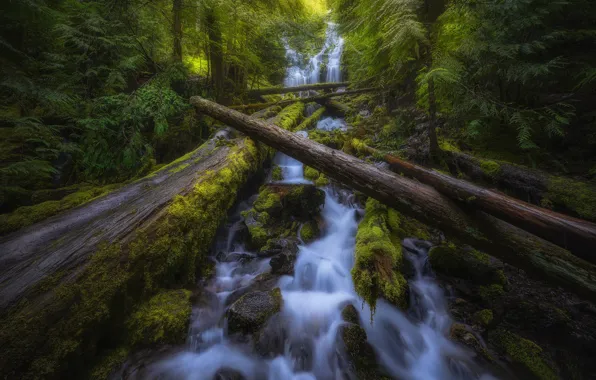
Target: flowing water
(412, 345)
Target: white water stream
(408, 346)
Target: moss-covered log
(578, 236)
(494, 236)
(318, 99)
(311, 121)
(306, 87)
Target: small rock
(252, 310)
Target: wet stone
(252, 310)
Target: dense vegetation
(515, 75)
(97, 91)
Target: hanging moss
(28, 215)
(64, 334)
(378, 260)
(523, 352)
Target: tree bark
(177, 13)
(306, 87)
(576, 235)
(323, 99)
(511, 244)
(216, 62)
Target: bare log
(512, 244)
(318, 98)
(287, 90)
(576, 235)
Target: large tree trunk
(306, 87)
(177, 29)
(513, 245)
(576, 235)
(69, 282)
(216, 61)
(323, 99)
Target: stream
(408, 345)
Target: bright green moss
(524, 353)
(276, 173)
(448, 145)
(289, 118)
(309, 231)
(490, 168)
(28, 215)
(575, 196)
(483, 317)
(311, 173)
(311, 121)
(359, 146)
(163, 319)
(268, 201)
(40, 343)
(322, 181)
(378, 259)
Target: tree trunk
(513, 245)
(323, 99)
(306, 87)
(576, 235)
(432, 110)
(177, 13)
(215, 52)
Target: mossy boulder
(350, 314)
(524, 354)
(377, 270)
(249, 313)
(359, 354)
(460, 333)
(309, 231)
(467, 264)
(163, 319)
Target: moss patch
(524, 353)
(162, 319)
(376, 272)
(490, 168)
(276, 173)
(569, 195)
(483, 317)
(311, 121)
(316, 176)
(28, 215)
(87, 315)
(309, 231)
(290, 117)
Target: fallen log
(306, 87)
(562, 194)
(318, 98)
(69, 282)
(576, 235)
(505, 241)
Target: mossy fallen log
(306, 87)
(311, 121)
(538, 257)
(578, 236)
(77, 291)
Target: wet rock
(228, 374)
(350, 314)
(283, 263)
(359, 356)
(252, 310)
(460, 333)
(277, 246)
(271, 339)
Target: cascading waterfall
(408, 346)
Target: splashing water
(408, 346)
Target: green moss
(489, 293)
(311, 173)
(163, 319)
(311, 121)
(471, 265)
(94, 305)
(448, 145)
(289, 118)
(404, 227)
(523, 352)
(276, 173)
(28, 215)
(483, 317)
(378, 259)
(309, 231)
(268, 201)
(490, 168)
(322, 181)
(109, 363)
(569, 195)
(179, 168)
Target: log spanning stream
(412, 345)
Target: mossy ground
(570, 195)
(64, 338)
(316, 176)
(376, 272)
